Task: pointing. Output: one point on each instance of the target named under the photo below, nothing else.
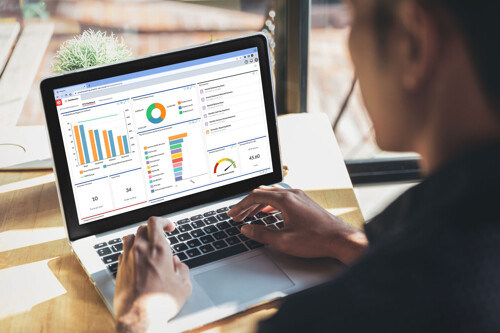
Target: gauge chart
(224, 165)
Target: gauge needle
(228, 167)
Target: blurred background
(308, 40)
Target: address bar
(147, 77)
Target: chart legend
(176, 142)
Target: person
(429, 73)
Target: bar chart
(176, 142)
(100, 141)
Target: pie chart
(158, 119)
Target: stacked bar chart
(92, 147)
(176, 142)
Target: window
(146, 27)
(330, 81)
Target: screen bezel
(68, 204)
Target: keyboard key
(223, 216)
(279, 216)
(114, 241)
(197, 233)
(217, 255)
(219, 244)
(270, 219)
(193, 243)
(117, 247)
(219, 235)
(222, 210)
(184, 237)
(258, 222)
(197, 224)
(233, 240)
(113, 267)
(98, 246)
(243, 237)
(104, 251)
(173, 240)
(207, 239)
(233, 222)
(223, 225)
(111, 258)
(173, 233)
(114, 274)
(210, 229)
(183, 221)
(211, 220)
(184, 228)
(253, 244)
(280, 225)
(180, 247)
(207, 248)
(250, 219)
(210, 213)
(182, 256)
(273, 226)
(261, 215)
(196, 217)
(232, 231)
(193, 252)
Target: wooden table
(44, 288)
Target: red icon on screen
(58, 102)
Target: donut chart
(149, 113)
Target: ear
(419, 46)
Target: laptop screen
(160, 134)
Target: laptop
(184, 135)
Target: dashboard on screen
(151, 136)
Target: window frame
(293, 26)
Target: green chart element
(149, 113)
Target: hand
(151, 284)
(309, 230)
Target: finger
(169, 227)
(155, 229)
(256, 210)
(142, 232)
(262, 234)
(258, 197)
(128, 241)
(180, 267)
(247, 212)
(269, 209)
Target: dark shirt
(433, 264)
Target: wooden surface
(8, 35)
(20, 72)
(44, 288)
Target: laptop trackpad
(243, 281)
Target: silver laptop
(185, 135)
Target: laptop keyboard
(201, 239)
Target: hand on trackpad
(243, 281)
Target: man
(429, 71)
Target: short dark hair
(478, 21)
